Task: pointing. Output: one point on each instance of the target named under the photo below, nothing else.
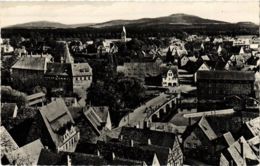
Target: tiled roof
(235, 151)
(56, 116)
(30, 63)
(141, 136)
(28, 154)
(254, 126)
(226, 75)
(229, 138)
(7, 142)
(126, 152)
(93, 118)
(50, 158)
(81, 69)
(207, 130)
(145, 69)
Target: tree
(13, 96)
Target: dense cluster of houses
(210, 87)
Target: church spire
(123, 34)
(67, 56)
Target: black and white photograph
(129, 83)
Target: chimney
(132, 143)
(149, 141)
(68, 160)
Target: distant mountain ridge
(174, 19)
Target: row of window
(82, 78)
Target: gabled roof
(229, 138)
(254, 126)
(81, 69)
(206, 128)
(30, 63)
(141, 136)
(93, 118)
(28, 154)
(56, 116)
(235, 151)
(7, 142)
(226, 75)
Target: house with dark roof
(198, 141)
(61, 133)
(92, 122)
(139, 137)
(59, 75)
(48, 157)
(29, 71)
(214, 86)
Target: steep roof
(254, 126)
(7, 142)
(28, 154)
(226, 75)
(30, 63)
(81, 69)
(93, 118)
(141, 136)
(50, 158)
(56, 116)
(229, 138)
(127, 152)
(206, 128)
(235, 151)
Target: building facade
(214, 86)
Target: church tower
(123, 35)
(66, 58)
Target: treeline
(133, 31)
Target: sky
(12, 13)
